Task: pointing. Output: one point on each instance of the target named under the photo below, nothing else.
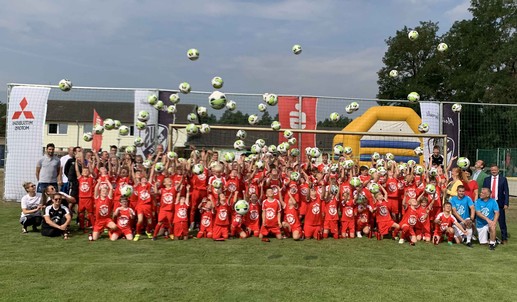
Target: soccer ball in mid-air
(184, 87)
(294, 152)
(116, 124)
(354, 106)
(192, 129)
(217, 100)
(217, 82)
(231, 105)
(143, 116)
(130, 150)
(126, 190)
(139, 142)
(172, 155)
(255, 149)
(88, 137)
(193, 54)
(413, 35)
(389, 156)
(174, 98)
(229, 157)
(260, 142)
(272, 99)
(159, 105)
(315, 152)
(463, 163)
(192, 117)
(297, 49)
(172, 109)
(423, 128)
(159, 167)
(442, 47)
(418, 151)
(152, 99)
(140, 125)
(348, 150)
(123, 130)
(262, 107)
(334, 117)
(253, 119)
(288, 134)
(456, 107)
(202, 111)
(241, 134)
(239, 145)
(109, 124)
(376, 156)
(292, 141)
(204, 129)
(413, 97)
(339, 150)
(430, 189)
(349, 109)
(241, 207)
(198, 169)
(394, 73)
(275, 125)
(419, 170)
(65, 85)
(98, 129)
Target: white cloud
(459, 12)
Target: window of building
(57, 128)
(87, 128)
(131, 130)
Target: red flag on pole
(291, 116)
(97, 138)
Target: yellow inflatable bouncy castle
(389, 119)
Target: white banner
(430, 115)
(148, 134)
(27, 110)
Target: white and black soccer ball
(394, 73)
(262, 107)
(217, 100)
(109, 124)
(423, 128)
(413, 97)
(202, 111)
(152, 99)
(204, 129)
(139, 142)
(143, 116)
(87, 137)
(413, 35)
(241, 134)
(123, 130)
(231, 105)
(253, 119)
(297, 49)
(442, 47)
(217, 82)
(456, 107)
(185, 87)
(65, 85)
(171, 109)
(173, 98)
(192, 129)
(334, 117)
(193, 54)
(275, 125)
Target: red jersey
(181, 213)
(291, 217)
(382, 212)
(144, 193)
(292, 187)
(222, 215)
(275, 184)
(392, 188)
(272, 209)
(412, 216)
(445, 221)
(120, 182)
(167, 199)
(253, 215)
(178, 180)
(331, 213)
(207, 218)
(410, 190)
(304, 192)
(347, 210)
(313, 216)
(200, 182)
(103, 208)
(86, 186)
(123, 218)
(233, 185)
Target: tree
(266, 119)
(233, 118)
(342, 123)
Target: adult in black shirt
(436, 158)
(57, 219)
(73, 184)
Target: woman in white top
(31, 208)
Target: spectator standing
(498, 185)
(48, 169)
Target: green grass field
(33, 268)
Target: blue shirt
(462, 206)
(487, 208)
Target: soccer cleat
(401, 241)
(474, 238)
(137, 237)
(149, 235)
(491, 247)
(24, 230)
(436, 240)
(449, 242)
(469, 244)
(359, 235)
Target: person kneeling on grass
(31, 208)
(445, 220)
(57, 219)
(123, 216)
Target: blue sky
(130, 43)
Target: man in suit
(479, 174)
(500, 192)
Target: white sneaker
(359, 235)
(401, 241)
(474, 238)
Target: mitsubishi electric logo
(27, 114)
(25, 123)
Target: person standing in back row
(498, 185)
(48, 170)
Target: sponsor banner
(148, 134)
(97, 138)
(27, 109)
(431, 115)
(291, 117)
(451, 128)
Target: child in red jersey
(291, 225)
(423, 230)
(222, 219)
(331, 217)
(252, 218)
(271, 216)
(166, 214)
(123, 216)
(347, 216)
(383, 215)
(444, 222)
(313, 216)
(410, 221)
(393, 193)
(144, 207)
(206, 225)
(199, 185)
(364, 201)
(86, 188)
(103, 209)
(237, 227)
(121, 180)
(181, 207)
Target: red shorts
(361, 225)
(348, 225)
(384, 226)
(394, 205)
(101, 224)
(267, 230)
(312, 231)
(331, 225)
(303, 208)
(220, 231)
(122, 231)
(253, 226)
(146, 210)
(165, 216)
(85, 205)
(180, 229)
(423, 230)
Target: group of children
(173, 197)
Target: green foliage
(342, 123)
(233, 118)
(266, 119)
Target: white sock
(469, 235)
(492, 242)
